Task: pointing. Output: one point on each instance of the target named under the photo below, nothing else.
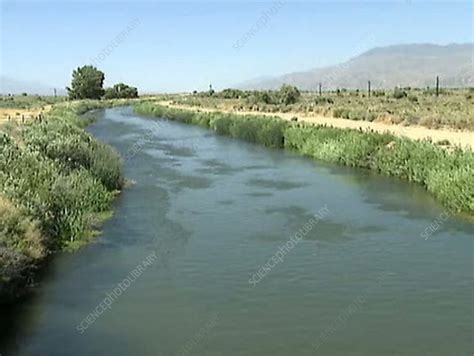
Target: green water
(362, 281)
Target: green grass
(445, 174)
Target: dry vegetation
(452, 109)
(24, 108)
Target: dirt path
(464, 139)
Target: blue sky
(182, 46)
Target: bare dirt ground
(463, 139)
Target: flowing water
(203, 218)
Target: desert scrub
(28, 101)
(447, 174)
(453, 108)
(57, 181)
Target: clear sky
(182, 46)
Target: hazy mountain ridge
(415, 65)
(13, 86)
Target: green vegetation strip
(56, 184)
(448, 175)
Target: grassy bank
(445, 174)
(56, 184)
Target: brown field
(20, 114)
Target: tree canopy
(121, 90)
(87, 83)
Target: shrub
(21, 247)
(323, 100)
(399, 93)
(231, 94)
(18, 232)
(370, 116)
(74, 148)
(289, 94)
(62, 200)
(56, 183)
(60, 175)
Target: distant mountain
(415, 65)
(14, 86)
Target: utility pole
(368, 88)
(437, 85)
(55, 94)
(320, 91)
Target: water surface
(214, 210)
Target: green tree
(121, 91)
(87, 83)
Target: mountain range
(414, 65)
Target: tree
(289, 94)
(121, 91)
(87, 83)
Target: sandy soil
(464, 139)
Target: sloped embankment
(56, 184)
